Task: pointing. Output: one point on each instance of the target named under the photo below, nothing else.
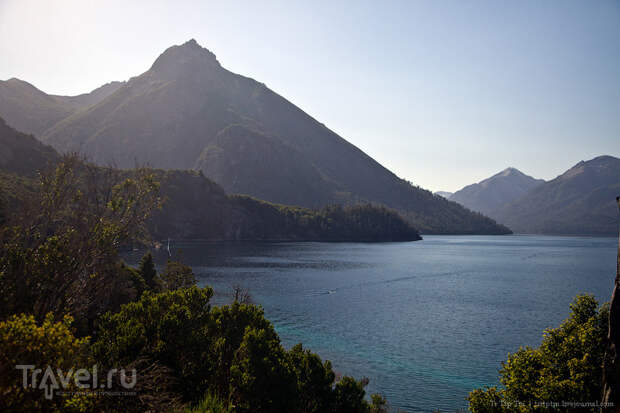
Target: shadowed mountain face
(580, 201)
(23, 154)
(493, 193)
(187, 112)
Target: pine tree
(148, 272)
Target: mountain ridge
(176, 114)
(580, 201)
(491, 194)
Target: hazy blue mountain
(580, 201)
(444, 194)
(489, 195)
(187, 111)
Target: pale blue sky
(443, 93)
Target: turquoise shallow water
(425, 321)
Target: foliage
(378, 404)
(231, 353)
(566, 367)
(260, 379)
(147, 272)
(209, 404)
(170, 328)
(23, 342)
(60, 251)
(361, 222)
(349, 396)
(227, 332)
(314, 380)
(176, 275)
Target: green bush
(209, 404)
(260, 378)
(314, 380)
(566, 367)
(23, 342)
(170, 328)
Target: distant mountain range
(489, 195)
(581, 201)
(188, 112)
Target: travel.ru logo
(50, 380)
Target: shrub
(23, 342)
(566, 367)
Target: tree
(177, 275)
(260, 378)
(229, 326)
(60, 250)
(147, 271)
(24, 342)
(241, 295)
(349, 396)
(566, 367)
(378, 404)
(314, 380)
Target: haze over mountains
(489, 195)
(188, 112)
(581, 201)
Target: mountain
(23, 154)
(197, 208)
(188, 112)
(489, 195)
(30, 110)
(444, 194)
(581, 201)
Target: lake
(425, 321)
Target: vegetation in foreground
(67, 301)
(563, 375)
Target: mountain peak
(510, 171)
(15, 82)
(182, 60)
(490, 194)
(603, 164)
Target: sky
(443, 93)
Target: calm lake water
(425, 321)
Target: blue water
(425, 321)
